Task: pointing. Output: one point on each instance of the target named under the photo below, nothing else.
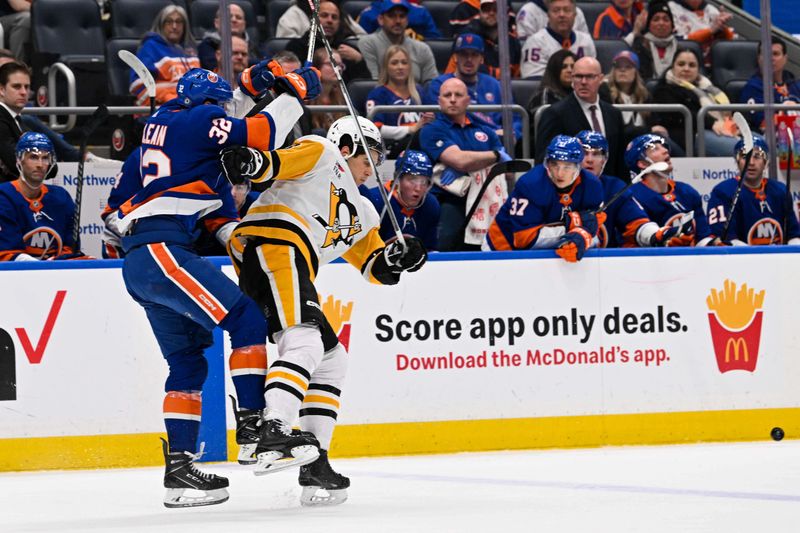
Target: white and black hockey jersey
(538, 48)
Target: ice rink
(743, 487)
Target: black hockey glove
(241, 163)
(408, 259)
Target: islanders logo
(338, 314)
(735, 320)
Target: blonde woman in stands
(626, 86)
(168, 51)
(397, 86)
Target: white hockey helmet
(344, 132)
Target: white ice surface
(747, 487)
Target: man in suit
(583, 110)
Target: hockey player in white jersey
(311, 214)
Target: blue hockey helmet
(637, 149)
(758, 144)
(199, 85)
(35, 142)
(564, 148)
(593, 140)
(414, 162)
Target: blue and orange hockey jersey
(166, 62)
(422, 222)
(759, 215)
(668, 208)
(533, 216)
(41, 228)
(624, 217)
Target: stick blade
(515, 165)
(138, 67)
(744, 129)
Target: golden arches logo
(338, 314)
(735, 318)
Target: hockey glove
(409, 258)
(256, 80)
(242, 163)
(573, 245)
(587, 220)
(663, 236)
(449, 175)
(303, 83)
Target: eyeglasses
(585, 77)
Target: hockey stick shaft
(352, 111)
(515, 165)
(789, 202)
(747, 135)
(98, 117)
(145, 75)
(655, 167)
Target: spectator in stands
(208, 47)
(656, 47)
(239, 57)
(296, 21)
(619, 19)
(627, 87)
(461, 142)
(532, 17)
(556, 82)
(698, 20)
(683, 84)
(420, 22)
(168, 51)
(486, 27)
(786, 89)
(396, 86)
(393, 21)
(483, 88)
(288, 60)
(557, 35)
(584, 110)
(343, 37)
(331, 93)
(416, 209)
(15, 18)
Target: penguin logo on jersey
(343, 223)
(43, 242)
(764, 232)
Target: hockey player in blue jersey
(36, 220)
(761, 211)
(554, 205)
(667, 202)
(184, 296)
(626, 223)
(415, 208)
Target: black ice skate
(181, 475)
(280, 447)
(248, 422)
(321, 485)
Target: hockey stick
(98, 117)
(790, 208)
(352, 110)
(747, 136)
(396, 176)
(312, 38)
(145, 75)
(661, 166)
(515, 165)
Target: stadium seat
(442, 49)
(733, 60)
(592, 10)
(275, 8)
(359, 89)
(606, 50)
(117, 71)
(355, 7)
(440, 11)
(273, 46)
(202, 13)
(517, 5)
(733, 88)
(131, 19)
(651, 85)
(523, 90)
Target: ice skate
(321, 485)
(248, 422)
(181, 475)
(280, 447)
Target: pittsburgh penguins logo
(43, 242)
(342, 223)
(764, 232)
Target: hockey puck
(776, 433)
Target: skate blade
(176, 498)
(247, 454)
(274, 461)
(316, 495)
